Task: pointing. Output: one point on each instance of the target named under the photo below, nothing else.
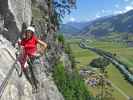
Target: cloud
(127, 8)
(72, 19)
(97, 16)
(118, 12)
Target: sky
(87, 10)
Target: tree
(100, 63)
(106, 90)
(57, 9)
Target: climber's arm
(42, 43)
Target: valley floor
(122, 89)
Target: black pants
(29, 73)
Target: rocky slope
(13, 13)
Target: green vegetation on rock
(70, 84)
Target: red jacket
(30, 45)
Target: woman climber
(28, 46)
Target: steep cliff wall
(19, 88)
(13, 13)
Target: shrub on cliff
(70, 84)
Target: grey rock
(21, 10)
(13, 14)
(19, 88)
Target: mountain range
(109, 26)
(72, 28)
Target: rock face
(21, 10)
(13, 13)
(19, 88)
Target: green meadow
(83, 57)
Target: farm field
(124, 53)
